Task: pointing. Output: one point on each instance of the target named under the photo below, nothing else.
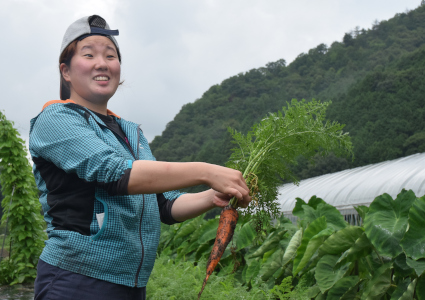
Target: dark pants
(54, 283)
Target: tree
(348, 39)
(274, 67)
(1, 198)
(20, 206)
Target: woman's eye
(88, 55)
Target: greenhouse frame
(359, 186)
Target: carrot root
(226, 227)
(203, 286)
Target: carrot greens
(265, 154)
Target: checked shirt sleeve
(165, 203)
(63, 136)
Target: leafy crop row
(21, 207)
(382, 259)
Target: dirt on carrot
(226, 227)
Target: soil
(5, 253)
(17, 292)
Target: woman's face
(94, 71)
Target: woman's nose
(101, 63)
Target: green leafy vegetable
(264, 155)
(341, 241)
(344, 288)
(379, 284)
(386, 222)
(326, 276)
(313, 237)
(413, 241)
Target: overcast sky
(172, 50)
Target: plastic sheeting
(359, 186)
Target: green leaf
(361, 248)
(334, 218)
(21, 278)
(353, 293)
(341, 240)
(408, 294)
(244, 236)
(298, 210)
(362, 211)
(313, 291)
(270, 243)
(291, 228)
(386, 222)
(310, 214)
(203, 250)
(293, 245)
(243, 275)
(418, 265)
(309, 243)
(267, 255)
(208, 231)
(413, 241)
(400, 266)
(253, 269)
(21, 236)
(320, 296)
(325, 275)
(187, 228)
(379, 284)
(401, 289)
(181, 249)
(315, 201)
(274, 262)
(343, 288)
(420, 288)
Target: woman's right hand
(229, 182)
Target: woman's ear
(65, 72)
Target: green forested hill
(375, 79)
(385, 111)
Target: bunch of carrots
(264, 154)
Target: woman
(102, 192)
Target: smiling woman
(103, 193)
(93, 73)
(90, 69)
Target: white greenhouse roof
(359, 186)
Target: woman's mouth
(101, 78)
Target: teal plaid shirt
(71, 138)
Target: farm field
(321, 257)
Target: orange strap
(57, 101)
(70, 101)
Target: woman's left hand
(189, 205)
(222, 200)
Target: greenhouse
(358, 186)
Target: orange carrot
(226, 227)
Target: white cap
(87, 26)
